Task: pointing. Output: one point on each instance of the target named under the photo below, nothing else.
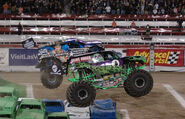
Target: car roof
(63, 114)
(31, 102)
(47, 100)
(7, 89)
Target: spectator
(20, 29)
(142, 8)
(14, 9)
(180, 22)
(20, 10)
(114, 24)
(155, 11)
(162, 11)
(108, 9)
(147, 30)
(5, 8)
(133, 24)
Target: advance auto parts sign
(163, 57)
(22, 57)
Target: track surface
(159, 104)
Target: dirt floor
(159, 104)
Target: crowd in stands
(81, 7)
(122, 7)
(31, 6)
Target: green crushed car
(58, 115)
(8, 102)
(31, 109)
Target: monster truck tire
(139, 83)
(50, 81)
(81, 94)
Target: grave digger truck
(96, 70)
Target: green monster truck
(31, 109)
(8, 102)
(98, 70)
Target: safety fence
(94, 23)
(91, 17)
(92, 31)
(113, 39)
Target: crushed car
(53, 105)
(8, 102)
(31, 109)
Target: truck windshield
(30, 107)
(5, 94)
(52, 104)
(5, 115)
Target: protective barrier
(91, 31)
(170, 58)
(85, 23)
(111, 39)
(91, 17)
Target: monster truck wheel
(139, 83)
(50, 81)
(81, 94)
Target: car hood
(30, 115)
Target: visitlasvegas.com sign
(23, 57)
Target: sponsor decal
(77, 51)
(81, 59)
(29, 43)
(55, 70)
(98, 79)
(111, 83)
(115, 63)
(163, 57)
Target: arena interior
(154, 29)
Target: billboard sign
(23, 57)
(162, 57)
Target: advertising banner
(163, 57)
(4, 56)
(22, 57)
